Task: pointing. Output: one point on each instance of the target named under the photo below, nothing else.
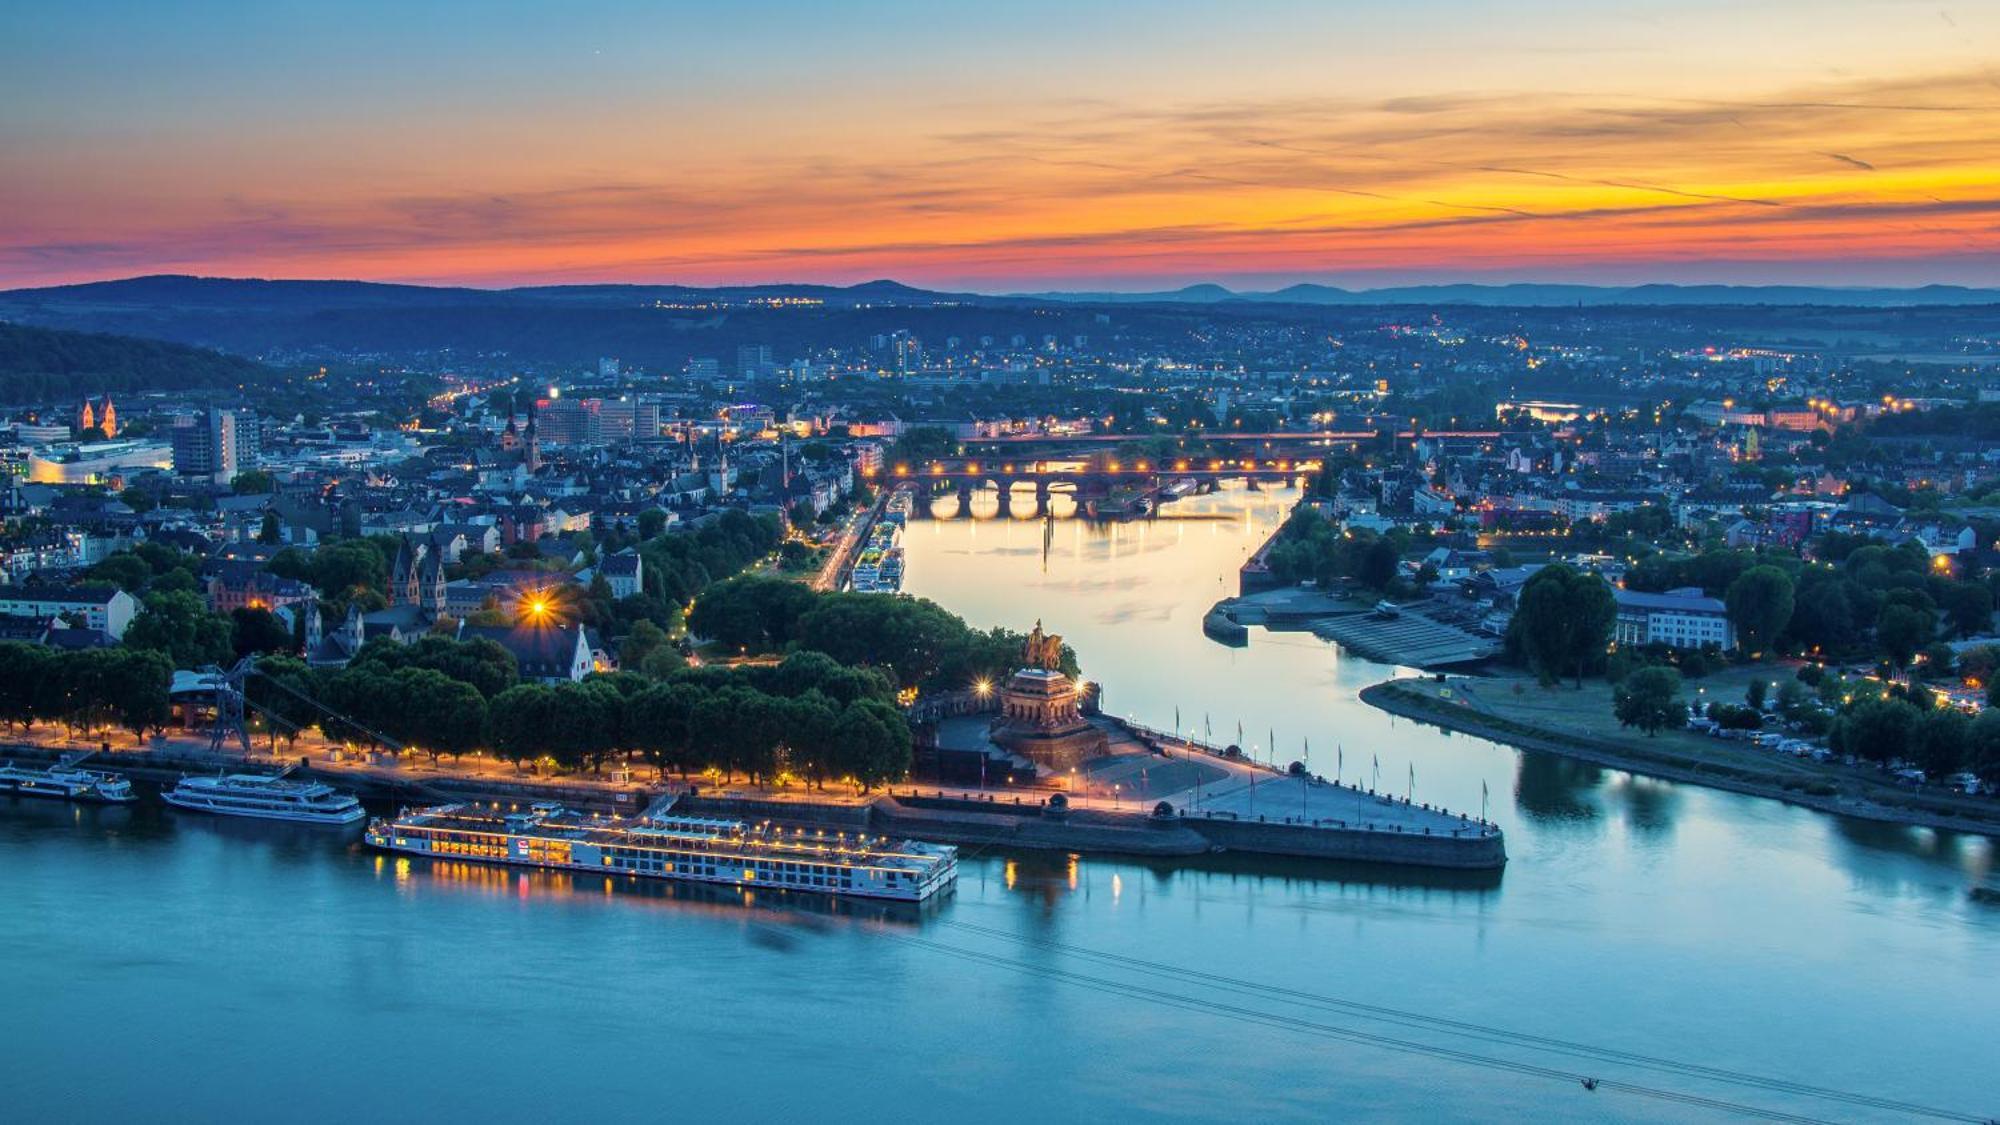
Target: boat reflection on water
(414, 874)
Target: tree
(1562, 621)
(1759, 602)
(252, 482)
(1968, 606)
(138, 499)
(587, 723)
(640, 643)
(136, 689)
(1755, 693)
(1938, 741)
(518, 723)
(259, 630)
(1650, 700)
(271, 531)
(871, 743)
(1378, 564)
(660, 722)
(440, 715)
(1877, 730)
(23, 669)
(179, 625)
(1983, 746)
(1901, 630)
(811, 721)
(281, 690)
(128, 570)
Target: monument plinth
(1041, 713)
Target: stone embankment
(1007, 824)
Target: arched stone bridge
(1088, 480)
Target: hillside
(41, 363)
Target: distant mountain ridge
(185, 292)
(1533, 294)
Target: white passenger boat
(65, 782)
(266, 796)
(664, 846)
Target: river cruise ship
(665, 846)
(64, 782)
(266, 796)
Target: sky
(1003, 146)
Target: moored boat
(663, 846)
(265, 796)
(65, 782)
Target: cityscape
(1288, 561)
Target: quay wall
(1469, 850)
(831, 814)
(1006, 825)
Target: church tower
(108, 421)
(534, 444)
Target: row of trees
(808, 715)
(917, 642)
(1311, 547)
(87, 690)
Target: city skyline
(1109, 148)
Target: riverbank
(1447, 705)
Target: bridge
(1321, 437)
(1099, 484)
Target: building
(97, 462)
(546, 653)
(627, 419)
(567, 421)
(753, 360)
(624, 572)
(1680, 618)
(244, 584)
(215, 445)
(106, 609)
(102, 417)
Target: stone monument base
(1041, 721)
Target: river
(176, 968)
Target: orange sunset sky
(1004, 147)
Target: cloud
(1468, 180)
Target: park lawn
(1587, 713)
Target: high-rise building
(753, 360)
(607, 367)
(704, 367)
(568, 421)
(628, 419)
(215, 444)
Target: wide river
(168, 967)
